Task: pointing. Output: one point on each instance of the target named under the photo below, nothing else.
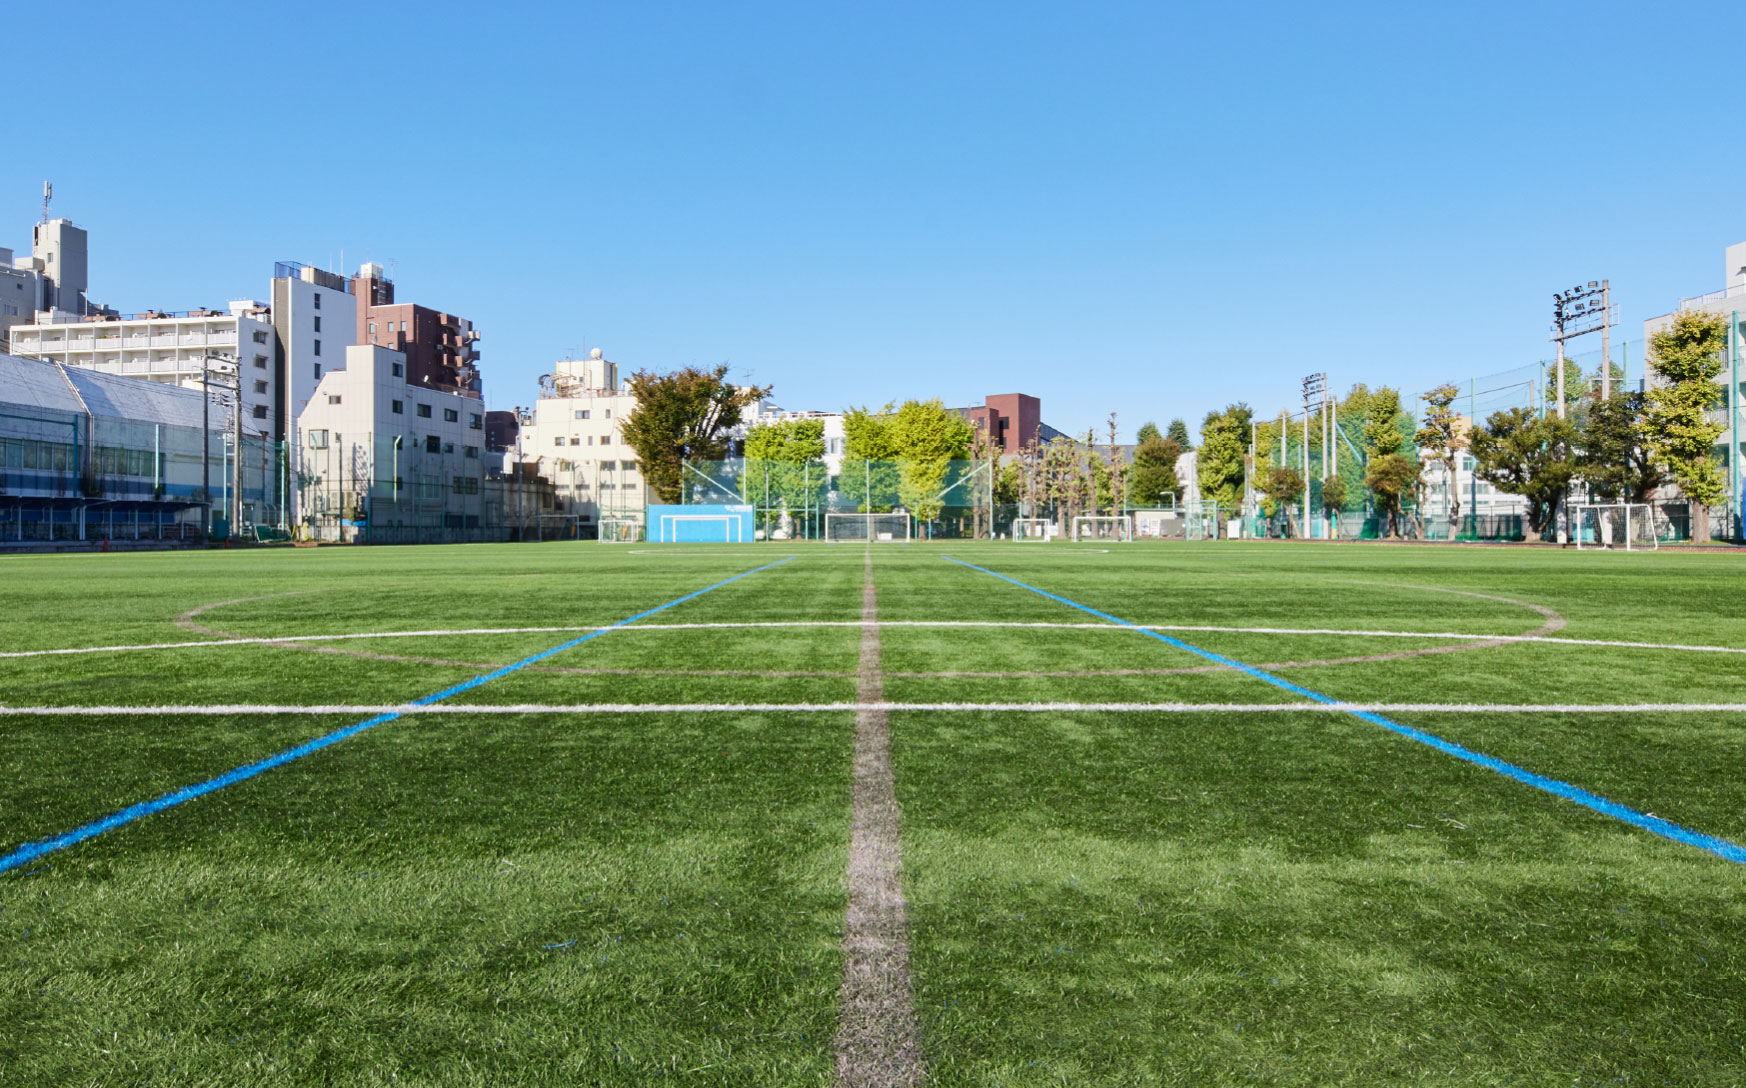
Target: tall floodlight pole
(1314, 389)
(205, 450)
(1578, 312)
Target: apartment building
(377, 452)
(572, 434)
(440, 348)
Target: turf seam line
(877, 1042)
(29, 852)
(403, 709)
(1332, 631)
(1667, 829)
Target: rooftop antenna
(48, 192)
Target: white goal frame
(733, 527)
(619, 530)
(1623, 511)
(869, 533)
(1126, 536)
(1019, 526)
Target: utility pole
(1578, 312)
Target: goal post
(877, 528)
(703, 528)
(1032, 530)
(1103, 527)
(1626, 525)
(620, 530)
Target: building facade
(380, 458)
(571, 434)
(441, 349)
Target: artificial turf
(1095, 897)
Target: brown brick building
(441, 349)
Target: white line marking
(1341, 632)
(239, 709)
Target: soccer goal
(880, 528)
(1104, 527)
(1034, 530)
(1627, 525)
(703, 529)
(621, 530)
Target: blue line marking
(29, 852)
(1722, 848)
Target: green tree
(1179, 432)
(785, 469)
(684, 415)
(1388, 473)
(1154, 471)
(869, 474)
(1615, 458)
(1334, 498)
(1148, 429)
(1522, 453)
(1224, 440)
(1284, 487)
(927, 437)
(1576, 385)
(1441, 440)
(1687, 357)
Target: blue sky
(1151, 209)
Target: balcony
(1704, 302)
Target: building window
(582, 413)
(451, 416)
(333, 398)
(399, 407)
(318, 347)
(591, 440)
(475, 421)
(471, 451)
(424, 411)
(260, 387)
(260, 411)
(400, 370)
(260, 336)
(317, 371)
(318, 440)
(372, 328)
(609, 413)
(261, 362)
(448, 447)
(318, 300)
(432, 444)
(559, 441)
(318, 323)
(606, 440)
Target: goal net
(879, 528)
(621, 530)
(1034, 530)
(702, 529)
(1103, 528)
(1630, 526)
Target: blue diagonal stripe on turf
(29, 852)
(1722, 848)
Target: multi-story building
(401, 460)
(572, 435)
(441, 349)
(169, 348)
(52, 280)
(1729, 303)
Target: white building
(373, 451)
(572, 432)
(766, 412)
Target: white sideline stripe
(217, 709)
(343, 637)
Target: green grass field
(1111, 896)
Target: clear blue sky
(1146, 208)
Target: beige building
(572, 432)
